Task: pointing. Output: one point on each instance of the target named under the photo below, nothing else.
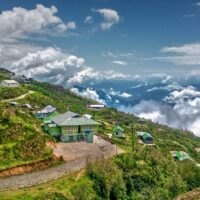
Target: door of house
(79, 129)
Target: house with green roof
(71, 127)
(180, 155)
(118, 131)
(47, 120)
(145, 137)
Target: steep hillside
(142, 172)
(21, 137)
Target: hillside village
(44, 123)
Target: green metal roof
(48, 119)
(118, 128)
(72, 119)
(144, 135)
(181, 155)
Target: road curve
(52, 173)
(19, 97)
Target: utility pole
(132, 141)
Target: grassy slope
(21, 137)
(166, 139)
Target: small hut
(9, 83)
(180, 155)
(118, 131)
(145, 137)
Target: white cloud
(69, 26)
(195, 127)
(111, 17)
(170, 87)
(119, 62)
(188, 54)
(91, 74)
(125, 95)
(88, 20)
(197, 4)
(88, 93)
(186, 93)
(166, 79)
(84, 75)
(48, 64)
(190, 49)
(117, 54)
(119, 94)
(19, 21)
(12, 52)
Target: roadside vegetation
(123, 177)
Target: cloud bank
(88, 93)
(19, 21)
(181, 111)
(188, 54)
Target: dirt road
(19, 97)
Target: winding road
(19, 97)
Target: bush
(108, 181)
(83, 191)
(32, 146)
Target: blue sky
(140, 37)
